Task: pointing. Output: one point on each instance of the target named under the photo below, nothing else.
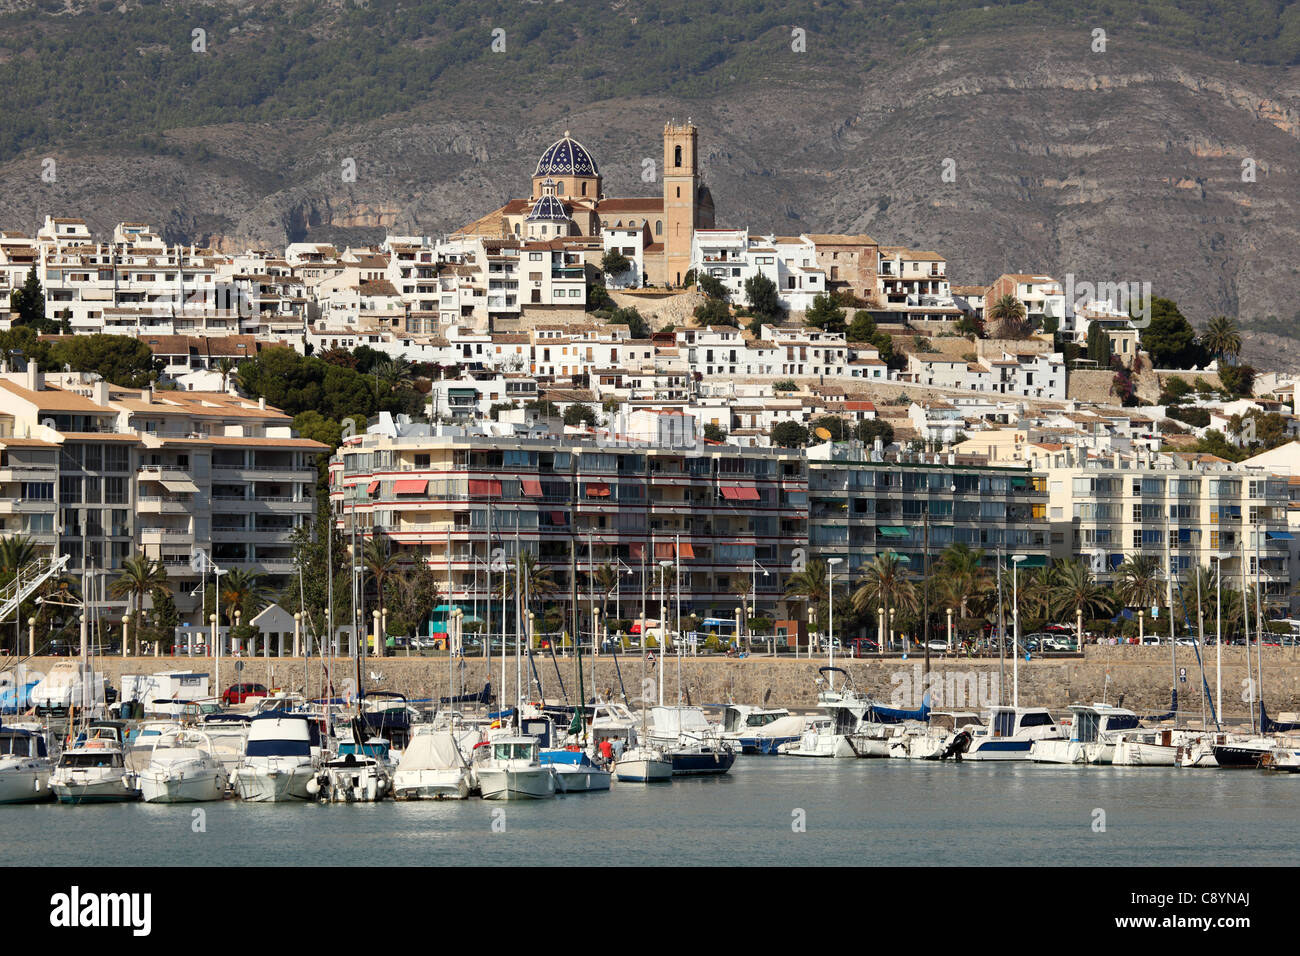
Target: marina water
(767, 811)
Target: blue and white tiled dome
(548, 209)
(566, 157)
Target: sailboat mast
(1259, 633)
(1245, 616)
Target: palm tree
(140, 575)
(604, 582)
(226, 368)
(1222, 337)
(16, 551)
(963, 579)
(1007, 317)
(1074, 589)
(244, 591)
(809, 585)
(394, 374)
(1139, 583)
(886, 585)
(538, 580)
(378, 557)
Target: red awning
(532, 487)
(410, 486)
(372, 487)
(663, 550)
(559, 518)
(739, 493)
(685, 551)
(637, 549)
(597, 489)
(484, 488)
(729, 492)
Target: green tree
(714, 432)
(580, 414)
(714, 312)
(713, 287)
(121, 359)
(633, 320)
(810, 586)
(1239, 380)
(16, 552)
(140, 575)
(862, 328)
(1007, 316)
(789, 434)
(761, 294)
(613, 263)
(1139, 582)
(1098, 345)
(886, 584)
(824, 314)
(28, 302)
(1169, 338)
(1074, 590)
(380, 562)
(1222, 338)
(873, 428)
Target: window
(38, 491)
(677, 160)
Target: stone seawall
(1142, 675)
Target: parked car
(238, 693)
(864, 645)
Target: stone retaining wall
(1142, 675)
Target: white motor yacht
(94, 772)
(760, 730)
(940, 736)
(25, 766)
(508, 768)
(1010, 732)
(643, 764)
(277, 764)
(183, 769)
(1094, 731)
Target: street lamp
(830, 615)
(664, 565)
(1015, 624)
(949, 630)
(880, 631)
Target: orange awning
(739, 493)
(532, 487)
(663, 550)
(597, 489)
(685, 551)
(410, 486)
(372, 487)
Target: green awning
(892, 532)
(1034, 561)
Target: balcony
(164, 504)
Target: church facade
(568, 201)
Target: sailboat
(576, 769)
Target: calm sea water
(855, 812)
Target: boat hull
(110, 790)
(198, 787)
(530, 784)
(644, 770)
(1130, 753)
(580, 779)
(431, 785)
(692, 764)
(1237, 758)
(282, 785)
(998, 748)
(25, 785)
(1057, 751)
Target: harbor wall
(1143, 677)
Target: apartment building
(861, 506)
(101, 473)
(460, 500)
(1186, 510)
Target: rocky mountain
(1152, 161)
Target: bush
(1199, 417)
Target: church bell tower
(681, 189)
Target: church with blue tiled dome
(568, 205)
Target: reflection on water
(872, 812)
